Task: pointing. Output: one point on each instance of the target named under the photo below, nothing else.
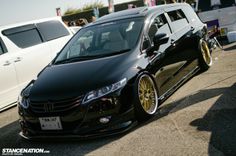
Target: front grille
(51, 106)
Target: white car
(74, 29)
(25, 49)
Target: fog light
(105, 120)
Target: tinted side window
(1, 49)
(26, 38)
(191, 15)
(176, 15)
(163, 26)
(160, 25)
(52, 30)
(178, 20)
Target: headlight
(104, 91)
(23, 102)
(23, 98)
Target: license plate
(223, 31)
(50, 123)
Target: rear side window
(1, 49)
(191, 15)
(178, 20)
(52, 30)
(176, 15)
(26, 38)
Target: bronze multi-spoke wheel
(147, 94)
(146, 102)
(205, 58)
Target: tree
(86, 7)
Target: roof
(135, 12)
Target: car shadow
(220, 119)
(230, 48)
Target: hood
(73, 79)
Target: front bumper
(120, 129)
(83, 121)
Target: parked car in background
(114, 71)
(74, 29)
(25, 49)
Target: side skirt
(178, 84)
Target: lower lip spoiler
(81, 137)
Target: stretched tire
(145, 97)
(205, 58)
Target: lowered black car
(115, 71)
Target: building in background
(149, 2)
(111, 6)
(58, 11)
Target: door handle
(192, 28)
(172, 42)
(7, 63)
(18, 59)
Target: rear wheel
(146, 97)
(205, 58)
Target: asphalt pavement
(198, 119)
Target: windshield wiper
(80, 58)
(120, 51)
(73, 59)
(113, 53)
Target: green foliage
(93, 5)
(86, 7)
(71, 11)
(190, 1)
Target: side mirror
(160, 39)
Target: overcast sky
(13, 11)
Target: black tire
(205, 58)
(145, 101)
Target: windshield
(102, 40)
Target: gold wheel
(147, 94)
(206, 53)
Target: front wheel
(205, 58)
(146, 97)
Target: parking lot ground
(198, 119)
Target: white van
(220, 13)
(25, 49)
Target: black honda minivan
(114, 72)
